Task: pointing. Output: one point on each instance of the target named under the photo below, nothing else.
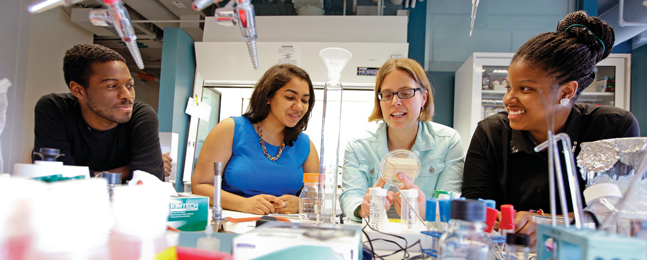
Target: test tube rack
(585, 244)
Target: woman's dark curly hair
(274, 79)
(570, 53)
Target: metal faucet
(217, 221)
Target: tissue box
(188, 212)
(281, 240)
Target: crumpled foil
(614, 161)
(615, 157)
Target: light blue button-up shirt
(437, 146)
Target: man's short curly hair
(77, 64)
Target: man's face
(110, 92)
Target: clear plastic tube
(408, 218)
(378, 216)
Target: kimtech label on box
(188, 212)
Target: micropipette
(475, 4)
(121, 21)
(243, 14)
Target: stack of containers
(17, 203)
(72, 221)
(140, 214)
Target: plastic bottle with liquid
(466, 239)
(378, 216)
(602, 199)
(408, 219)
(309, 198)
(517, 247)
(486, 81)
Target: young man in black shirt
(100, 124)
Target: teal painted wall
(443, 84)
(500, 26)
(176, 86)
(639, 87)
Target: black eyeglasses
(402, 94)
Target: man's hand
(167, 164)
(291, 205)
(261, 204)
(408, 185)
(366, 203)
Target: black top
(502, 165)
(59, 124)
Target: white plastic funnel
(335, 60)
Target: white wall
(14, 35)
(50, 34)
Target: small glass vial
(518, 247)
(408, 218)
(466, 239)
(378, 216)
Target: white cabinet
(473, 101)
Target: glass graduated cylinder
(329, 165)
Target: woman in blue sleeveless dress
(264, 152)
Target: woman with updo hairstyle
(545, 77)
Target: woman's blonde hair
(417, 73)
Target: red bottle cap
(491, 218)
(507, 217)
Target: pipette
(121, 21)
(475, 4)
(44, 5)
(247, 24)
(243, 15)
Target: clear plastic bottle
(408, 219)
(466, 238)
(602, 199)
(517, 247)
(486, 81)
(378, 216)
(309, 198)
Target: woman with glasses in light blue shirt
(404, 103)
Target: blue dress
(249, 173)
